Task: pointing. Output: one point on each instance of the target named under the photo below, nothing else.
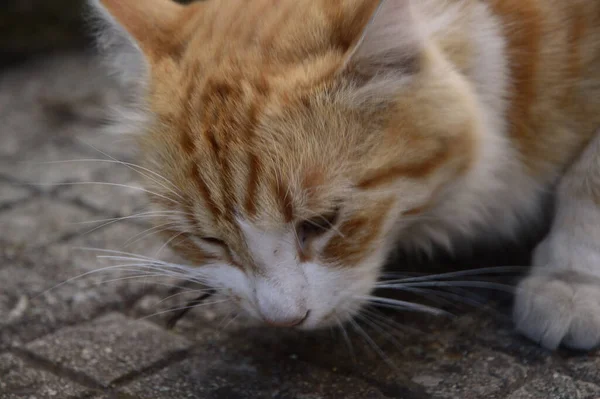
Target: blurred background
(33, 28)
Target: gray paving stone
(40, 222)
(57, 97)
(218, 375)
(108, 348)
(10, 193)
(25, 315)
(476, 374)
(119, 146)
(117, 200)
(556, 386)
(585, 367)
(19, 380)
(35, 293)
(45, 169)
(88, 251)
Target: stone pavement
(99, 336)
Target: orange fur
(273, 112)
(230, 83)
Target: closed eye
(317, 226)
(214, 241)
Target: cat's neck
(497, 193)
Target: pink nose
(286, 322)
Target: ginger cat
(299, 141)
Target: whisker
(130, 165)
(404, 305)
(112, 251)
(169, 241)
(440, 297)
(373, 345)
(115, 220)
(373, 324)
(231, 320)
(138, 266)
(183, 308)
(186, 291)
(135, 216)
(392, 324)
(462, 273)
(140, 167)
(342, 329)
(150, 232)
(78, 183)
(145, 276)
(446, 284)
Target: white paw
(557, 308)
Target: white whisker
(150, 232)
(130, 166)
(169, 241)
(185, 307)
(404, 305)
(446, 284)
(187, 291)
(474, 272)
(108, 184)
(342, 328)
(372, 343)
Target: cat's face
(276, 206)
(288, 154)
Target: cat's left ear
(390, 42)
(134, 34)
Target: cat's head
(293, 138)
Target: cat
(298, 142)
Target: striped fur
(424, 122)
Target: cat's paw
(560, 308)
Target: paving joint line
(170, 359)
(60, 371)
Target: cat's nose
(280, 308)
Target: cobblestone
(117, 200)
(557, 386)
(108, 348)
(40, 222)
(218, 375)
(18, 381)
(74, 340)
(11, 194)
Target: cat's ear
(133, 34)
(390, 42)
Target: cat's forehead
(285, 30)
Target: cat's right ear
(391, 40)
(134, 34)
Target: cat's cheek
(227, 280)
(336, 294)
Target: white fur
(282, 290)
(497, 195)
(560, 301)
(285, 289)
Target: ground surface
(92, 337)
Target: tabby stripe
(204, 191)
(417, 170)
(523, 53)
